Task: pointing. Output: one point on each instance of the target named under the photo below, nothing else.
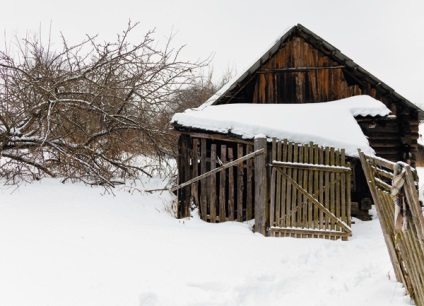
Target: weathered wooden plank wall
(299, 72)
(391, 137)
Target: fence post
(184, 194)
(261, 187)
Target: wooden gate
(406, 248)
(310, 192)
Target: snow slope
(69, 244)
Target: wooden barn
(309, 187)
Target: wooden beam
(298, 69)
(304, 166)
(222, 137)
(381, 162)
(216, 170)
(309, 232)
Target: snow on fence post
(261, 193)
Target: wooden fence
(310, 191)
(290, 189)
(406, 248)
(228, 194)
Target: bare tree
(189, 97)
(199, 92)
(87, 111)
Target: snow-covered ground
(69, 244)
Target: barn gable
(301, 67)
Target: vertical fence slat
(231, 194)
(300, 197)
(327, 189)
(337, 202)
(249, 187)
(315, 186)
(348, 197)
(321, 189)
(184, 194)
(332, 191)
(203, 183)
(310, 186)
(195, 171)
(273, 184)
(305, 185)
(223, 186)
(281, 189)
(343, 189)
(240, 184)
(289, 187)
(294, 191)
(260, 186)
(212, 185)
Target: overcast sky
(385, 37)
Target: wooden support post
(261, 193)
(184, 195)
(212, 186)
(203, 185)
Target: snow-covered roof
(326, 124)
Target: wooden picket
(406, 248)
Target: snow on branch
(87, 111)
